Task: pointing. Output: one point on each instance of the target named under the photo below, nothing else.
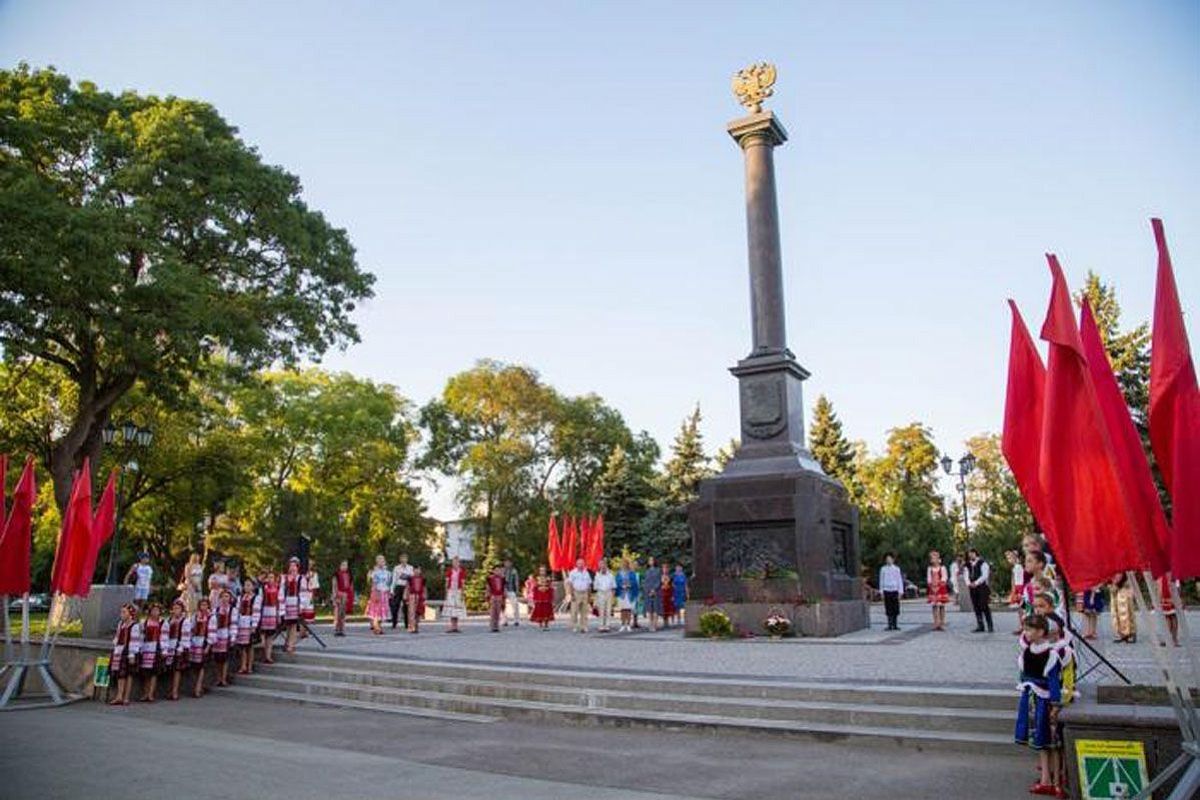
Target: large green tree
(140, 237)
(829, 444)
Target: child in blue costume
(679, 589)
(1040, 663)
(627, 586)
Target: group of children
(657, 593)
(222, 629)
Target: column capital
(761, 128)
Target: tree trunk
(83, 438)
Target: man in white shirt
(978, 573)
(891, 584)
(144, 574)
(580, 581)
(604, 584)
(400, 575)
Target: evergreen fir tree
(688, 464)
(829, 445)
(475, 592)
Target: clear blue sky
(552, 184)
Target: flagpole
(24, 618)
(8, 655)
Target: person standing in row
(175, 648)
(627, 593)
(580, 581)
(978, 573)
(269, 620)
(495, 596)
(891, 586)
(249, 614)
(414, 599)
(400, 576)
(290, 587)
(224, 633)
(308, 598)
(150, 656)
(604, 584)
(141, 574)
(455, 606)
(679, 587)
(198, 647)
(123, 659)
(343, 597)
(937, 583)
(379, 579)
(191, 582)
(218, 582)
(652, 593)
(512, 596)
(542, 598)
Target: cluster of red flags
(16, 540)
(1076, 454)
(582, 538)
(83, 534)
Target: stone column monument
(772, 532)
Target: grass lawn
(37, 625)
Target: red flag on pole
(103, 523)
(570, 544)
(553, 546)
(75, 536)
(597, 542)
(1133, 469)
(585, 540)
(1088, 513)
(1175, 415)
(16, 541)
(1024, 405)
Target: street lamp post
(132, 440)
(966, 465)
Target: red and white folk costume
(269, 608)
(153, 633)
(224, 631)
(201, 637)
(937, 582)
(177, 639)
(290, 588)
(308, 588)
(126, 646)
(249, 612)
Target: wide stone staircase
(970, 717)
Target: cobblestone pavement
(914, 654)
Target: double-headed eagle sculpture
(753, 84)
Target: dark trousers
(397, 606)
(981, 596)
(891, 607)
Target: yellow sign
(1109, 769)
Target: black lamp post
(132, 440)
(966, 465)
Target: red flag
(74, 539)
(1149, 526)
(585, 540)
(597, 542)
(1088, 513)
(1175, 415)
(570, 543)
(553, 546)
(16, 541)
(1024, 405)
(103, 523)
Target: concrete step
(679, 700)
(973, 697)
(910, 725)
(440, 705)
(386, 708)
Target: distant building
(456, 538)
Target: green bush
(716, 624)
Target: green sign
(1110, 769)
(100, 672)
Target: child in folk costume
(249, 612)
(308, 593)
(627, 593)
(150, 656)
(1168, 606)
(268, 621)
(414, 599)
(343, 597)
(1016, 594)
(668, 596)
(290, 587)
(123, 661)
(1041, 697)
(379, 581)
(543, 600)
(1124, 626)
(177, 639)
(455, 606)
(224, 633)
(937, 589)
(203, 622)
